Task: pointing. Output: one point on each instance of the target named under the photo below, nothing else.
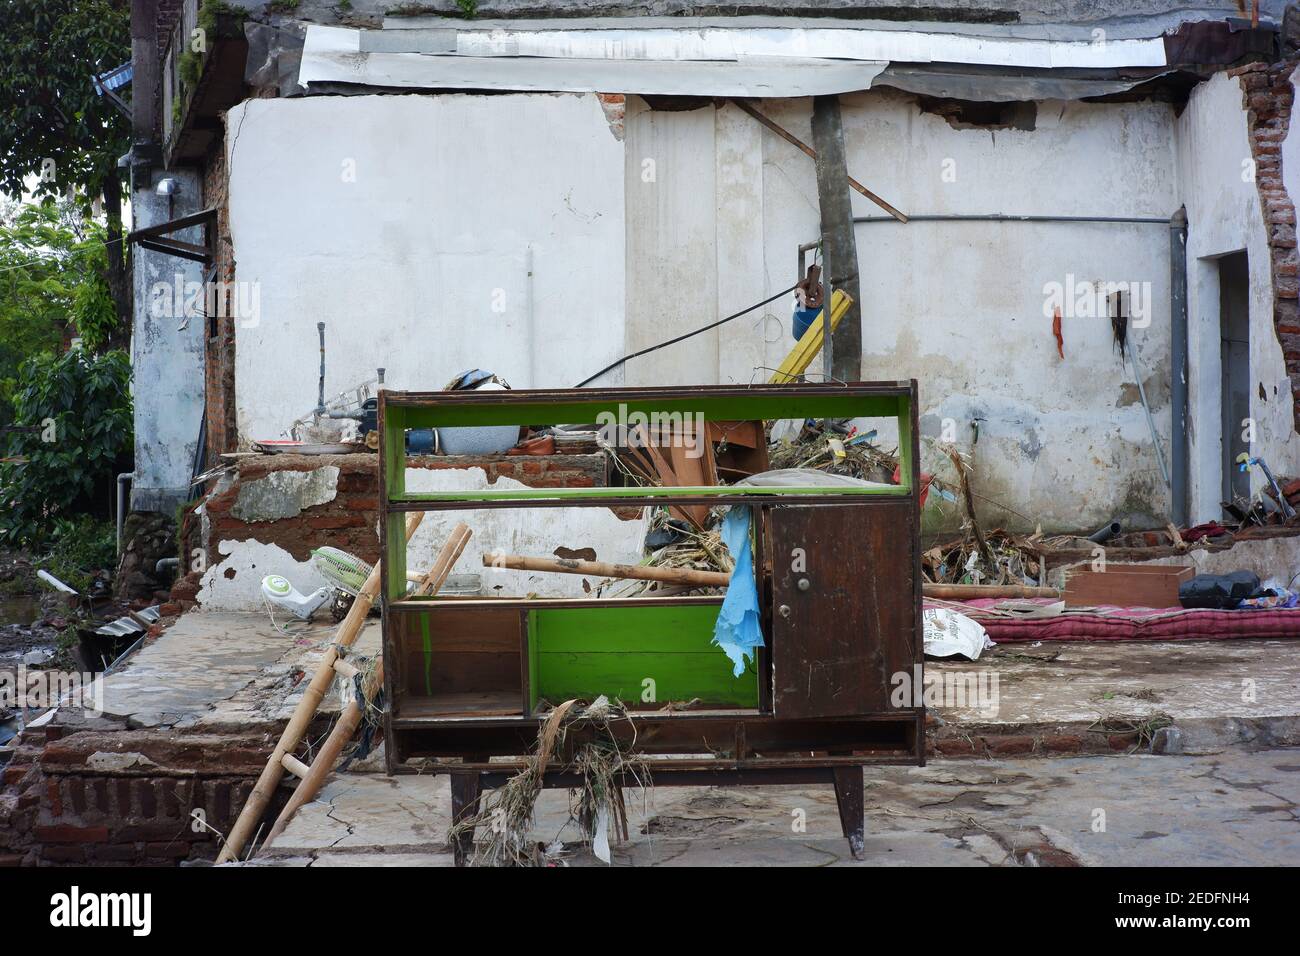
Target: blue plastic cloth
(738, 630)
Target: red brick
(63, 854)
(120, 853)
(1009, 745)
(1063, 743)
(955, 746)
(168, 851)
(65, 833)
(177, 831)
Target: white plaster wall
(1223, 211)
(406, 224)
(699, 213)
(959, 306)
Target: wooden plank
(852, 627)
(500, 703)
(1127, 585)
(614, 651)
(758, 402)
(811, 153)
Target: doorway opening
(1234, 353)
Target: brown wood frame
(761, 747)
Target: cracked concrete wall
(1224, 216)
(166, 352)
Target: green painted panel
(584, 652)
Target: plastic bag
(948, 633)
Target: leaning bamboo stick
(350, 719)
(328, 755)
(346, 634)
(447, 557)
(602, 569)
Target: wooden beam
(839, 246)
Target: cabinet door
(844, 615)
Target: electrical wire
(680, 338)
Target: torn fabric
(738, 629)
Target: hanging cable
(680, 338)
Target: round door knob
(803, 584)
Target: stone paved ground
(1232, 809)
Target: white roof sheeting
(764, 62)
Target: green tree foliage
(78, 406)
(51, 272)
(57, 135)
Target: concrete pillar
(167, 346)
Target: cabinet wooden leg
(465, 791)
(849, 797)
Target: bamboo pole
(447, 557)
(964, 592)
(602, 569)
(272, 774)
(717, 579)
(328, 756)
(350, 719)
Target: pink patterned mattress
(1107, 623)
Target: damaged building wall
(664, 220)
(427, 235)
(267, 515)
(1218, 183)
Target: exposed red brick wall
(56, 808)
(169, 11)
(1268, 98)
(219, 355)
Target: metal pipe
(1106, 532)
(1000, 217)
(1178, 452)
(1139, 372)
(122, 479)
(828, 339)
(320, 388)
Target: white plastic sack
(948, 633)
